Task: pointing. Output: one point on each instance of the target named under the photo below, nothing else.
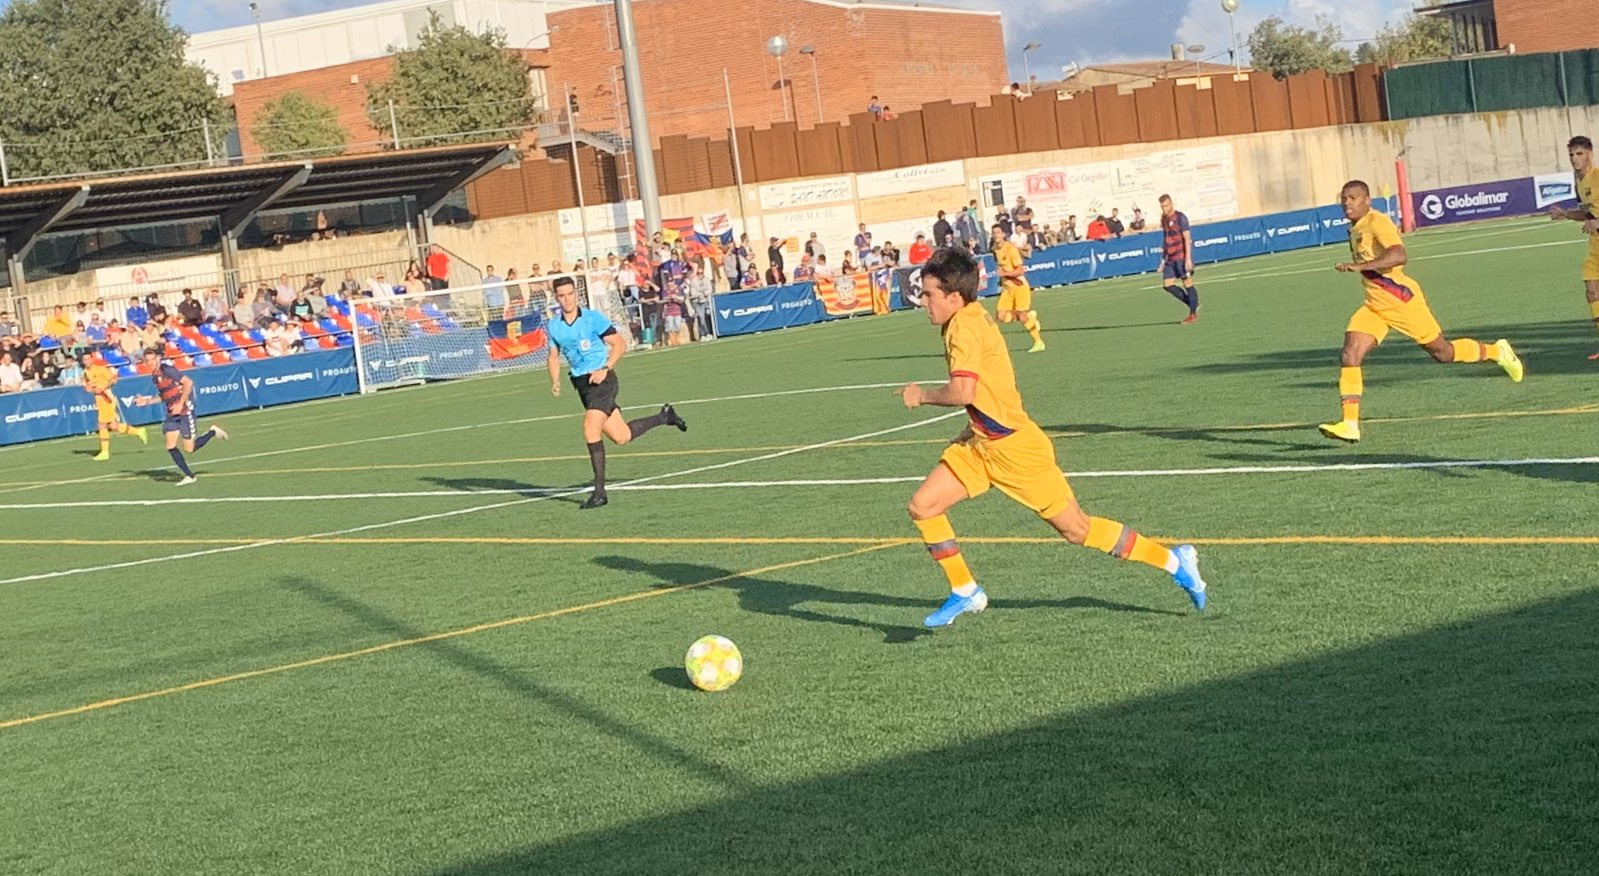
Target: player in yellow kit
(97, 381)
(1393, 301)
(1580, 151)
(1015, 293)
(1002, 447)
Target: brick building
(905, 54)
(1528, 25)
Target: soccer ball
(713, 663)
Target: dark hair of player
(1358, 185)
(563, 281)
(1164, 199)
(1580, 142)
(956, 271)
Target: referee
(591, 347)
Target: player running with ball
(1002, 447)
(176, 394)
(591, 347)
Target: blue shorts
(1176, 269)
(183, 424)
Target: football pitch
(379, 636)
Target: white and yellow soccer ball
(713, 663)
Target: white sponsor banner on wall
(600, 245)
(834, 226)
(918, 178)
(601, 217)
(1554, 188)
(807, 193)
(163, 276)
(1200, 180)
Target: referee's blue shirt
(582, 343)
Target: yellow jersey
(98, 380)
(1009, 258)
(1369, 238)
(973, 347)
(1588, 198)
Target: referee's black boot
(595, 500)
(673, 418)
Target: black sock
(183, 464)
(1178, 293)
(597, 459)
(1193, 300)
(644, 424)
(200, 442)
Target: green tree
(454, 86)
(96, 85)
(1414, 39)
(1284, 49)
(299, 125)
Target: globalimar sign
(68, 410)
(1494, 200)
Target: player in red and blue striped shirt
(1177, 258)
(175, 393)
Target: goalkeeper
(591, 346)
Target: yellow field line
(1230, 541)
(1591, 408)
(434, 637)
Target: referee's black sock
(644, 424)
(596, 459)
(183, 464)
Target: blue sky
(1081, 31)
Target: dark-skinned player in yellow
(1393, 301)
(1580, 151)
(1002, 447)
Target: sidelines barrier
(780, 307)
(1501, 199)
(259, 383)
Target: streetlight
(1231, 8)
(1194, 51)
(816, 78)
(776, 47)
(260, 41)
(1027, 69)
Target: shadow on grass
(660, 749)
(479, 485)
(1107, 328)
(672, 676)
(804, 602)
(1576, 473)
(1470, 748)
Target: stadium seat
(127, 371)
(188, 346)
(448, 324)
(345, 341)
(433, 310)
(220, 358)
(365, 321)
(142, 368)
(236, 355)
(240, 339)
(328, 326)
(343, 322)
(256, 353)
(256, 336)
(209, 345)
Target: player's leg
(1124, 543)
(105, 442)
(1365, 331)
(940, 491)
(1416, 321)
(1193, 298)
(622, 431)
(173, 429)
(1172, 282)
(1029, 318)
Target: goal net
(456, 332)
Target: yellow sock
(1123, 543)
(939, 537)
(105, 441)
(1350, 385)
(1468, 351)
(1593, 308)
(1031, 324)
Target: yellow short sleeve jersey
(973, 347)
(1369, 238)
(1009, 258)
(98, 379)
(1588, 192)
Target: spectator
(1022, 216)
(46, 369)
(283, 292)
(78, 341)
(888, 115)
(701, 291)
(848, 267)
(438, 271)
(96, 331)
(890, 252)
(943, 232)
(920, 250)
(1002, 218)
(10, 374)
(493, 289)
(9, 327)
(1097, 229)
(72, 375)
(283, 338)
(863, 242)
(157, 310)
(805, 270)
(627, 281)
(81, 313)
(774, 254)
(875, 108)
(131, 341)
(99, 307)
(260, 309)
(57, 326)
(1114, 223)
(349, 287)
(1068, 232)
(873, 258)
(752, 278)
(814, 246)
(189, 310)
(138, 316)
(969, 224)
(775, 276)
(301, 308)
(1037, 238)
(823, 270)
(243, 314)
(1138, 223)
(216, 307)
(673, 301)
(650, 311)
(735, 264)
(973, 247)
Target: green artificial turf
(1420, 697)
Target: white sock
(968, 589)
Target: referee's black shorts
(597, 396)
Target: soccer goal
(453, 332)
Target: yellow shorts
(1413, 319)
(107, 412)
(1019, 297)
(1590, 268)
(1021, 464)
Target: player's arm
(1188, 250)
(1575, 214)
(554, 357)
(957, 393)
(186, 391)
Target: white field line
(422, 518)
(445, 429)
(643, 484)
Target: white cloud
(1205, 23)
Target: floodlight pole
(643, 152)
(577, 175)
(738, 166)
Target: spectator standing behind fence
(875, 108)
(966, 224)
(863, 242)
(1138, 223)
(701, 298)
(1022, 216)
(438, 270)
(137, 315)
(1068, 232)
(216, 307)
(1003, 220)
(157, 310)
(493, 289)
(920, 250)
(9, 327)
(814, 247)
(774, 254)
(943, 232)
(1114, 223)
(189, 309)
(10, 374)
